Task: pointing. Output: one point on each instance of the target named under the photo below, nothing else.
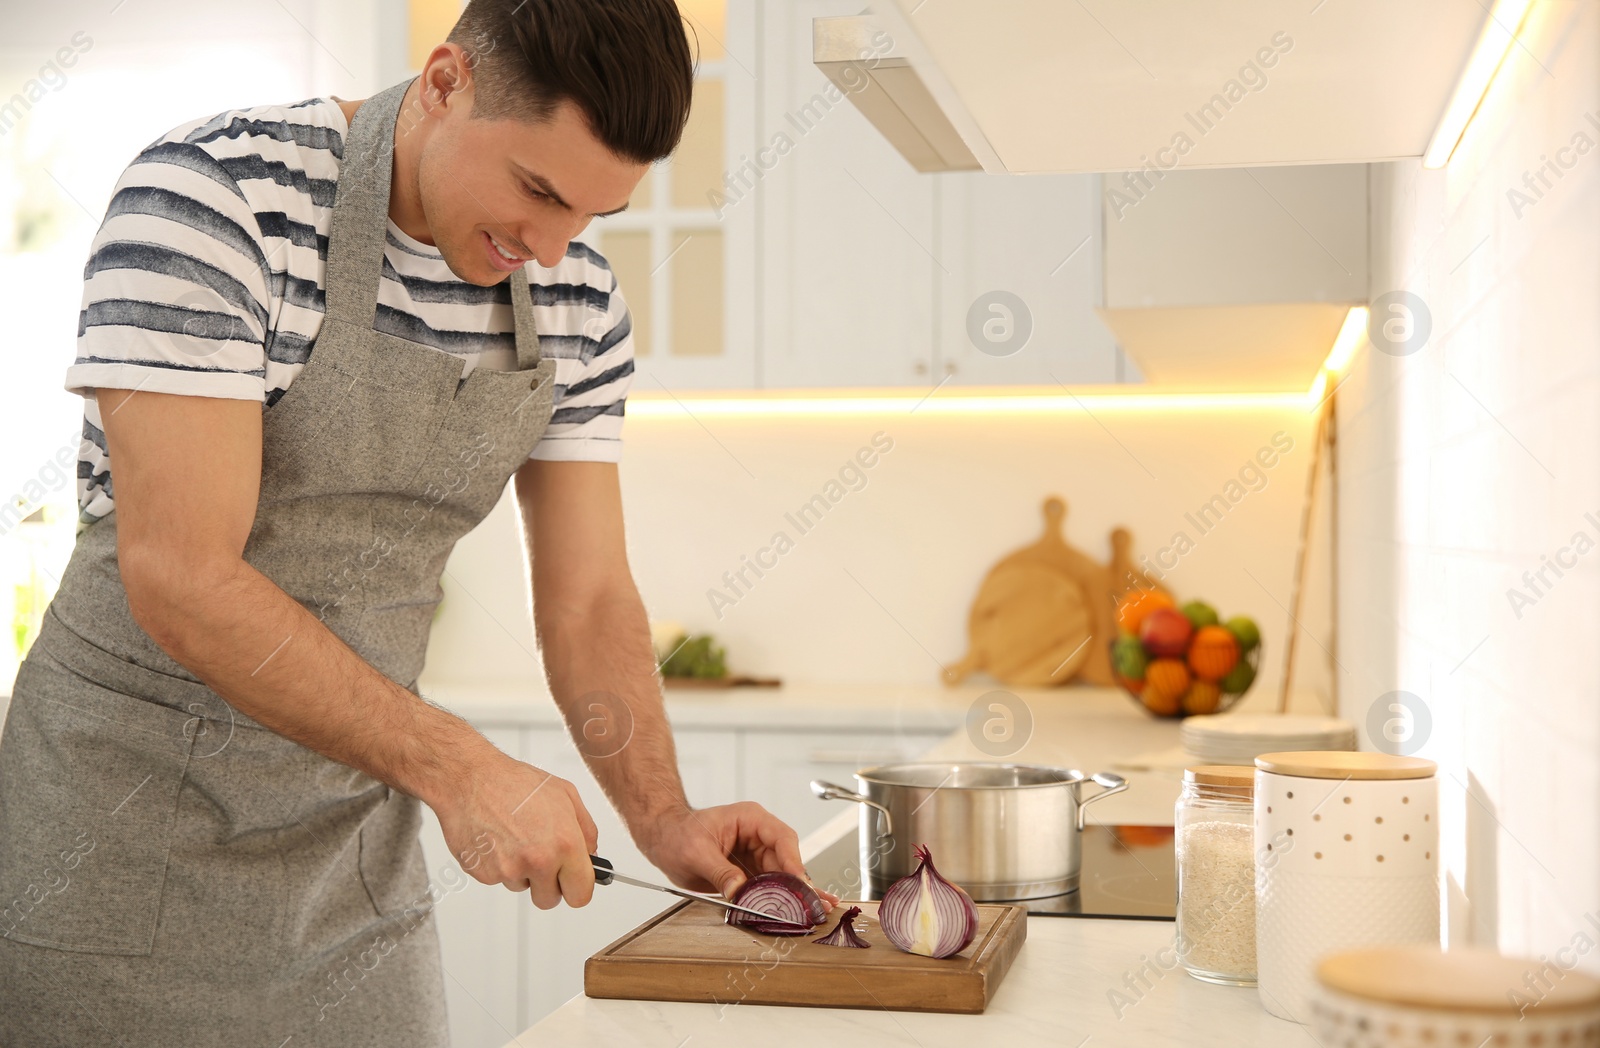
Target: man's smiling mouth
(504, 258)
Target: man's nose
(550, 250)
(550, 245)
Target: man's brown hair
(624, 63)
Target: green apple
(1129, 658)
(1245, 629)
(1200, 613)
(1239, 679)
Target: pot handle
(827, 791)
(1110, 783)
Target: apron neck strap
(361, 210)
(360, 226)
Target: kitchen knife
(604, 874)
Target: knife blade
(604, 874)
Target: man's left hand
(718, 849)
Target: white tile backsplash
(1465, 464)
(878, 591)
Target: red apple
(1165, 633)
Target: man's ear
(447, 82)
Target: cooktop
(1128, 873)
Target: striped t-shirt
(207, 276)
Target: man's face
(496, 187)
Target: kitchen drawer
(508, 963)
(779, 766)
(556, 942)
(478, 938)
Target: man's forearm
(602, 673)
(274, 660)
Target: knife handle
(602, 869)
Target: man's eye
(534, 193)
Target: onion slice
(844, 933)
(794, 906)
(925, 914)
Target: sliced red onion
(844, 933)
(794, 905)
(925, 914)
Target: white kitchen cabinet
(555, 943)
(1037, 87)
(841, 266)
(684, 252)
(1021, 281)
(1237, 237)
(477, 936)
(1237, 279)
(508, 963)
(779, 767)
(846, 239)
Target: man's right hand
(513, 824)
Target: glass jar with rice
(1215, 849)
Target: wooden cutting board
(715, 683)
(689, 954)
(1039, 614)
(1031, 626)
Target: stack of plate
(1236, 738)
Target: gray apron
(171, 872)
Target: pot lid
(1470, 979)
(1342, 764)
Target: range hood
(865, 64)
(1035, 86)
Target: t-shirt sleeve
(175, 293)
(587, 423)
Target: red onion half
(794, 905)
(925, 914)
(844, 933)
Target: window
(667, 248)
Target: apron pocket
(392, 866)
(89, 782)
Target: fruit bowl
(1224, 701)
(1179, 662)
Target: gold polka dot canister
(1425, 997)
(1347, 856)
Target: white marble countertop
(1076, 981)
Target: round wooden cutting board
(1033, 623)
(1030, 626)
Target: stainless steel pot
(1001, 831)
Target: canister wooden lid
(1343, 764)
(1470, 979)
(1221, 775)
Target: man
(317, 352)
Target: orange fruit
(1164, 685)
(1160, 704)
(1203, 696)
(1213, 652)
(1136, 605)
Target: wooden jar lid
(1221, 775)
(1470, 979)
(1343, 764)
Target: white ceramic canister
(1347, 856)
(1424, 997)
